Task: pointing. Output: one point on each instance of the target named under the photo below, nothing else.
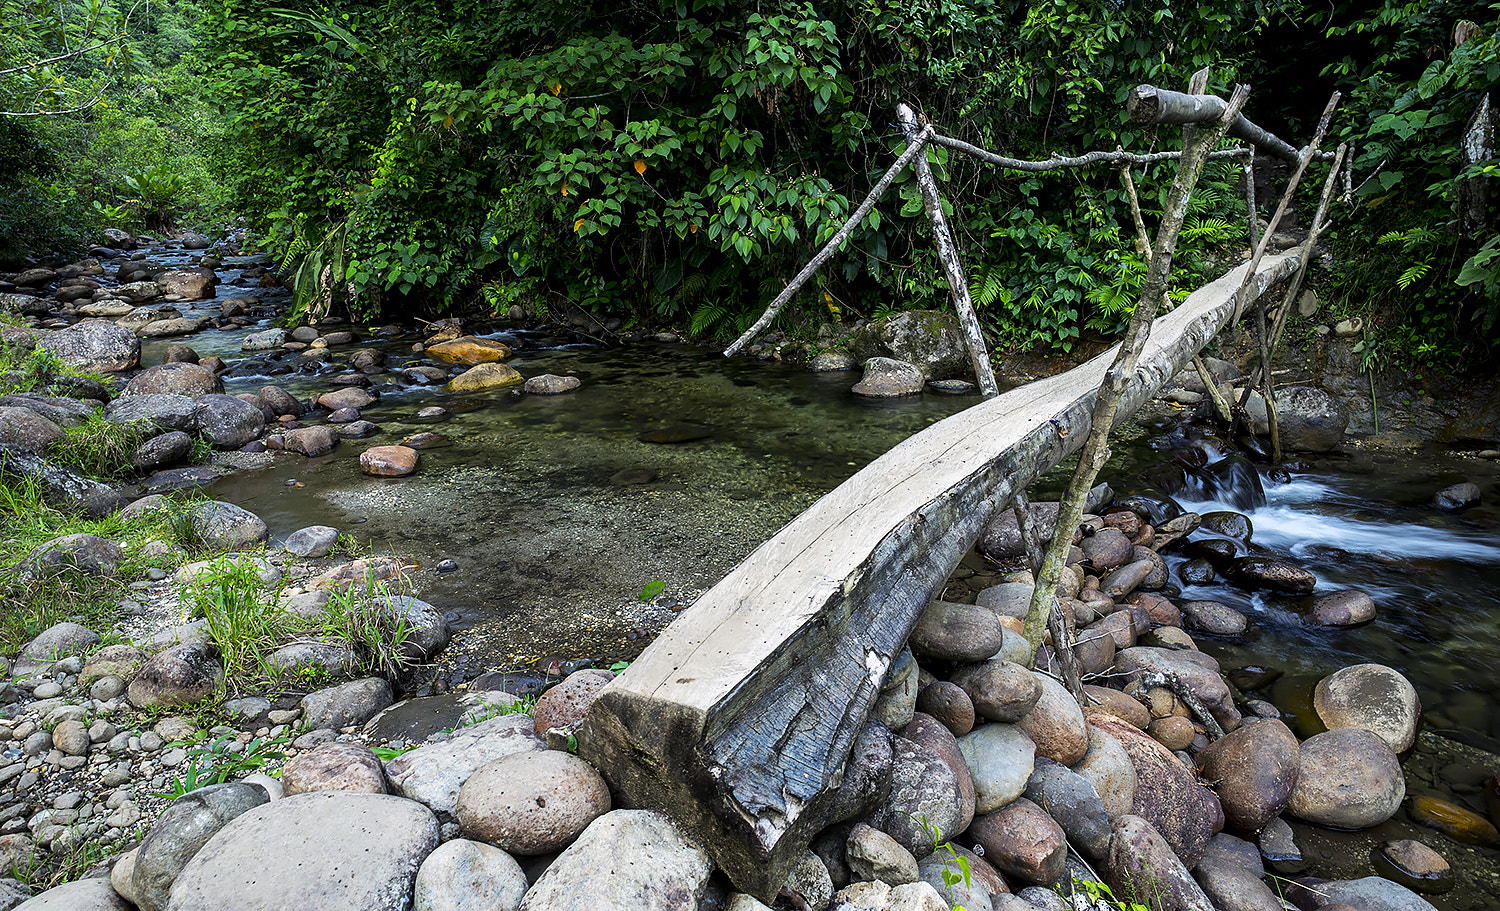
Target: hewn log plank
(738, 719)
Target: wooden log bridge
(738, 720)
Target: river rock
(228, 422)
(1159, 611)
(1121, 582)
(311, 542)
(64, 489)
(469, 351)
(949, 704)
(1108, 768)
(929, 340)
(334, 766)
(433, 773)
(1055, 724)
(551, 384)
(224, 526)
(464, 875)
(1349, 779)
(168, 411)
(529, 803)
(1185, 812)
(1308, 419)
(897, 700)
(1349, 607)
(564, 706)
(281, 401)
(1107, 549)
(351, 851)
(1213, 618)
(28, 430)
(1071, 800)
(78, 895)
(887, 378)
(1000, 690)
(924, 796)
(956, 632)
(180, 832)
(1229, 524)
(426, 628)
(1141, 867)
(1230, 874)
(1196, 571)
(1373, 893)
(84, 553)
(943, 872)
(162, 450)
(1449, 818)
(1000, 759)
(94, 346)
(633, 859)
(1122, 706)
(311, 441)
(1413, 865)
(482, 377)
(1373, 697)
(831, 361)
(181, 675)
(1276, 575)
(1457, 497)
(191, 380)
(317, 658)
(170, 328)
(874, 855)
(265, 340)
(1001, 538)
(388, 461)
(1022, 841)
(1254, 770)
(1008, 599)
(1197, 671)
(119, 660)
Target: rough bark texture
(1149, 104)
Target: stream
(556, 513)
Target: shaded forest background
(672, 163)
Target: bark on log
(1149, 104)
(738, 720)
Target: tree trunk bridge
(737, 721)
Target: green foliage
(225, 758)
(244, 621)
(101, 449)
(673, 163)
(651, 590)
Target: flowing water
(556, 513)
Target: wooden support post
(738, 720)
(947, 251)
(1252, 219)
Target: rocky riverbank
(1168, 778)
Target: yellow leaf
(448, 121)
(693, 229)
(565, 189)
(577, 224)
(640, 166)
(556, 88)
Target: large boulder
(326, 850)
(632, 859)
(930, 340)
(94, 345)
(433, 773)
(482, 377)
(469, 351)
(166, 411)
(179, 378)
(1349, 778)
(1373, 697)
(180, 832)
(886, 378)
(228, 422)
(1308, 419)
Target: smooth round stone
(1350, 607)
(1173, 732)
(1108, 768)
(1276, 575)
(1254, 769)
(1196, 571)
(952, 387)
(956, 632)
(464, 875)
(1126, 708)
(551, 384)
(531, 803)
(1022, 841)
(334, 766)
(388, 461)
(949, 704)
(1349, 779)
(1000, 690)
(1055, 724)
(1413, 865)
(1213, 618)
(1373, 697)
(1001, 758)
(1452, 820)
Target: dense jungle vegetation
(674, 162)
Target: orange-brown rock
(388, 461)
(1254, 769)
(468, 351)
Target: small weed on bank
(99, 449)
(216, 762)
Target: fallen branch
(1179, 689)
(1149, 104)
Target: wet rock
(226, 527)
(347, 397)
(1055, 724)
(1373, 893)
(874, 855)
(433, 773)
(1350, 607)
(931, 341)
(324, 831)
(280, 401)
(1254, 770)
(265, 340)
(226, 421)
(94, 346)
(1449, 818)
(1196, 571)
(311, 441)
(1457, 497)
(181, 378)
(1413, 865)
(469, 351)
(181, 675)
(625, 859)
(181, 832)
(1349, 779)
(1229, 524)
(351, 703)
(1230, 874)
(334, 766)
(1308, 419)
(1071, 800)
(1142, 867)
(887, 378)
(956, 632)
(464, 875)
(1185, 812)
(924, 795)
(949, 704)
(486, 376)
(551, 384)
(1276, 575)
(1213, 618)
(1001, 760)
(388, 461)
(1373, 697)
(1022, 841)
(1000, 690)
(531, 803)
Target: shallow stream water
(557, 513)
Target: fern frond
(1413, 274)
